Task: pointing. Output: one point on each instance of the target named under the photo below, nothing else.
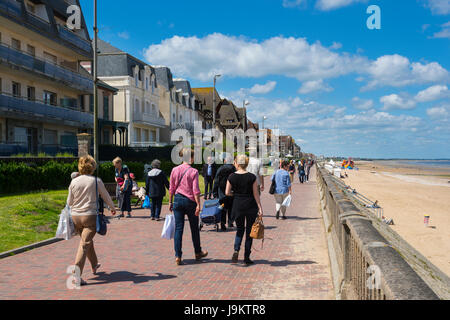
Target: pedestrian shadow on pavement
(296, 218)
(125, 276)
(275, 263)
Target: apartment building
(186, 107)
(42, 85)
(137, 100)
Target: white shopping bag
(66, 228)
(168, 231)
(287, 201)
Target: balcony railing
(67, 76)
(48, 111)
(149, 119)
(147, 144)
(11, 7)
(73, 38)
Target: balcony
(150, 119)
(38, 108)
(74, 39)
(11, 7)
(68, 77)
(147, 144)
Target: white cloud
(439, 6)
(200, 58)
(336, 45)
(444, 33)
(439, 112)
(124, 35)
(263, 88)
(433, 93)
(395, 101)
(362, 104)
(313, 86)
(397, 71)
(326, 5)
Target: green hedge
(24, 177)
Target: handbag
(101, 227)
(257, 229)
(273, 186)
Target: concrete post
(84, 144)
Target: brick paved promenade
(138, 264)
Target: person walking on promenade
(209, 172)
(220, 184)
(242, 186)
(292, 170)
(82, 200)
(308, 169)
(255, 166)
(185, 200)
(301, 171)
(283, 188)
(124, 187)
(155, 185)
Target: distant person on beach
(82, 200)
(156, 183)
(282, 189)
(185, 201)
(209, 172)
(242, 186)
(301, 171)
(124, 187)
(220, 184)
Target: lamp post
(95, 85)
(214, 100)
(244, 125)
(264, 118)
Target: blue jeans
(183, 206)
(156, 207)
(244, 224)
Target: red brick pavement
(138, 264)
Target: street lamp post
(214, 100)
(244, 125)
(95, 85)
(264, 118)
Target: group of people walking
(237, 184)
(303, 169)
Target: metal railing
(149, 118)
(368, 267)
(62, 74)
(11, 7)
(45, 110)
(74, 39)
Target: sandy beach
(407, 193)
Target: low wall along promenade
(365, 265)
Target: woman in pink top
(185, 200)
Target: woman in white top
(82, 201)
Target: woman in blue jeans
(185, 201)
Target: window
(50, 98)
(15, 44)
(146, 135)
(50, 137)
(136, 80)
(1, 85)
(31, 8)
(137, 134)
(153, 110)
(81, 102)
(50, 58)
(31, 93)
(136, 106)
(105, 107)
(31, 50)
(16, 89)
(143, 107)
(146, 83)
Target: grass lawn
(32, 217)
(29, 218)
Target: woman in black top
(242, 186)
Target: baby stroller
(211, 213)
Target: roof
(114, 62)
(164, 77)
(204, 95)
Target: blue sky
(311, 66)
